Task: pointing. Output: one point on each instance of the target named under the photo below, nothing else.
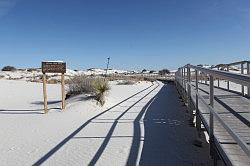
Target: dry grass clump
(82, 84)
(126, 82)
(133, 78)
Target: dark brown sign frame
(53, 67)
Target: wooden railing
(183, 80)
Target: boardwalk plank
(235, 111)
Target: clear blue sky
(136, 34)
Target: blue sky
(136, 34)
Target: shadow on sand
(25, 111)
(168, 137)
(58, 146)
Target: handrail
(234, 63)
(234, 77)
(183, 79)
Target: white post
(242, 72)
(218, 78)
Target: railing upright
(197, 121)
(211, 117)
(227, 80)
(218, 78)
(182, 76)
(205, 78)
(248, 72)
(242, 72)
(189, 90)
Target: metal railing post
(242, 72)
(248, 72)
(218, 78)
(205, 79)
(211, 116)
(184, 78)
(197, 121)
(182, 74)
(189, 89)
(228, 80)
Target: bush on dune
(9, 68)
(126, 82)
(82, 84)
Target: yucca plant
(101, 86)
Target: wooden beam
(45, 94)
(63, 91)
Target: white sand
(26, 134)
(125, 134)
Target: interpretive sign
(53, 67)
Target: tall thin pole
(107, 66)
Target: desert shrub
(126, 82)
(32, 69)
(164, 72)
(101, 86)
(151, 79)
(9, 68)
(152, 71)
(80, 84)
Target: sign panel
(53, 67)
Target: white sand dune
(147, 128)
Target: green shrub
(101, 87)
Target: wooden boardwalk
(224, 113)
(234, 109)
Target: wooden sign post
(53, 67)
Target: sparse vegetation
(164, 72)
(9, 68)
(152, 71)
(101, 87)
(82, 84)
(126, 82)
